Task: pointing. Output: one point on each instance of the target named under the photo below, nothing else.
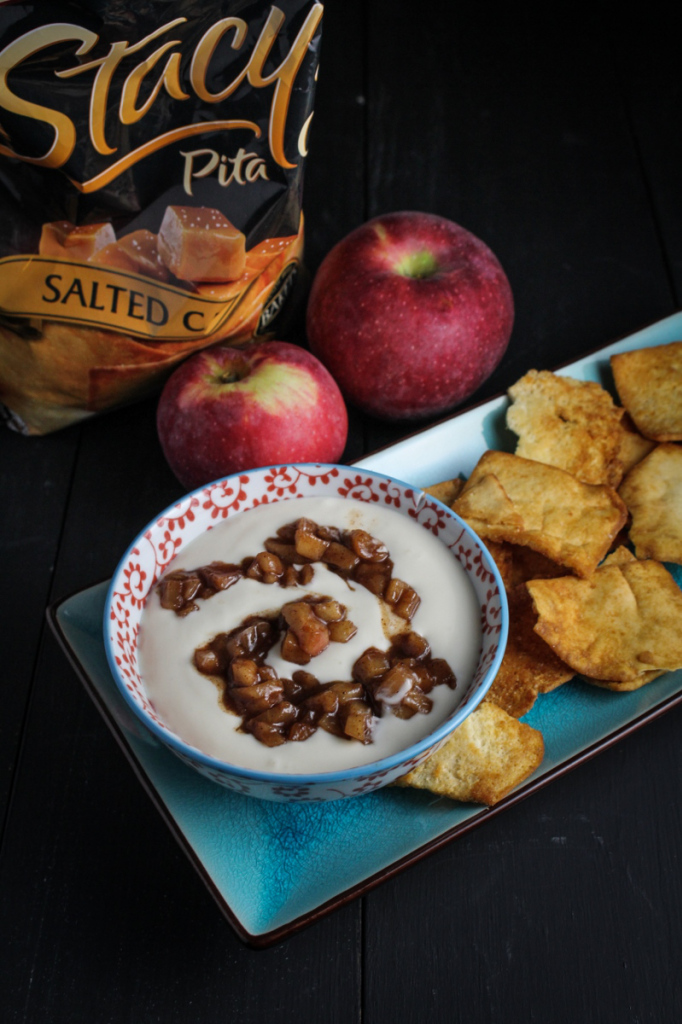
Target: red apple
(410, 313)
(225, 410)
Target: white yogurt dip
(189, 703)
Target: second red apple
(410, 313)
(227, 410)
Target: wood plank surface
(35, 475)
(557, 139)
(646, 59)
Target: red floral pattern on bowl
(152, 552)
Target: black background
(557, 139)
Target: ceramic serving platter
(298, 861)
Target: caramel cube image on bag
(64, 240)
(137, 253)
(200, 244)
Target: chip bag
(151, 160)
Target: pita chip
(652, 491)
(508, 498)
(486, 757)
(633, 684)
(649, 382)
(618, 624)
(568, 423)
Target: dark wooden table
(558, 140)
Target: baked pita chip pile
(508, 498)
(568, 423)
(551, 511)
(649, 383)
(652, 491)
(619, 625)
(486, 757)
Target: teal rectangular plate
(297, 862)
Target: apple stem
(418, 264)
(233, 373)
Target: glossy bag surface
(151, 163)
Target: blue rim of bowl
(178, 745)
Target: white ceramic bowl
(151, 553)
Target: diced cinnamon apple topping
(179, 589)
(309, 545)
(309, 630)
(266, 567)
(287, 552)
(343, 631)
(403, 599)
(368, 548)
(279, 710)
(287, 560)
(274, 710)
